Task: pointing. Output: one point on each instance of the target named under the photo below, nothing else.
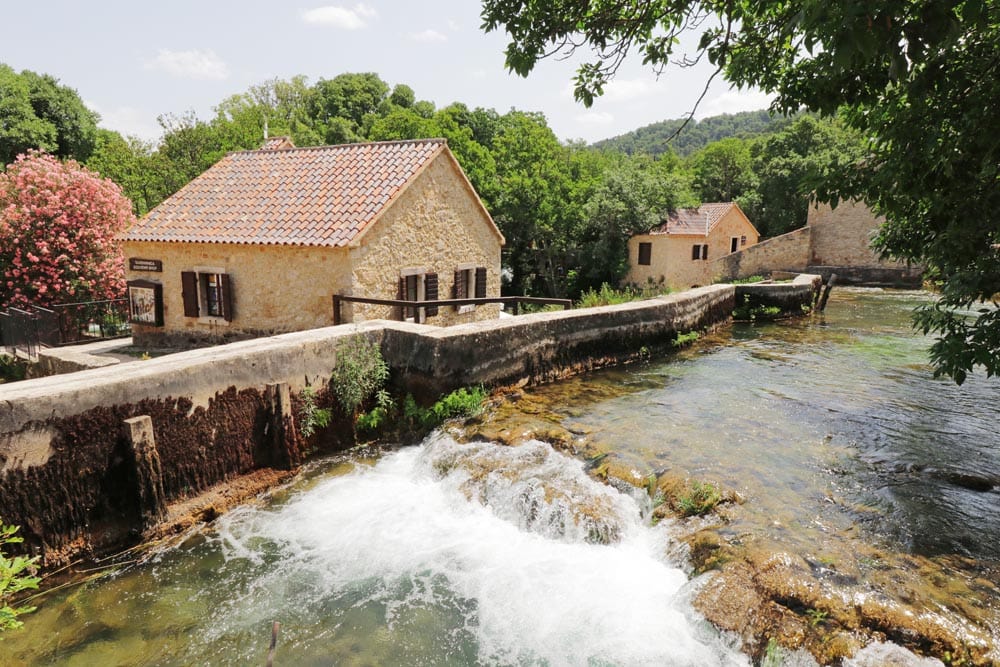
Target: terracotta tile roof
(322, 196)
(694, 221)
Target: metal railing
(401, 306)
(91, 321)
(20, 332)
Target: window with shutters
(704, 251)
(207, 294)
(418, 285)
(470, 282)
(699, 251)
(645, 253)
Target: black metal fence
(19, 330)
(91, 321)
(24, 330)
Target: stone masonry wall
(788, 252)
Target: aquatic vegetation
(686, 338)
(702, 498)
(15, 576)
(311, 416)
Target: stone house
(834, 240)
(260, 243)
(680, 251)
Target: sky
(132, 61)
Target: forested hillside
(567, 210)
(656, 138)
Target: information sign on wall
(137, 264)
(145, 303)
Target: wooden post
(274, 643)
(826, 292)
(282, 440)
(336, 309)
(138, 431)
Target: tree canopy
(37, 112)
(919, 78)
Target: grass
(607, 295)
(747, 281)
(701, 498)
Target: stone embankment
(82, 475)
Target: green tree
(348, 97)
(789, 164)
(20, 129)
(723, 171)
(75, 125)
(129, 162)
(532, 186)
(919, 78)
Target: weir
(75, 483)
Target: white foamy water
(474, 563)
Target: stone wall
(788, 252)
(437, 225)
(71, 479)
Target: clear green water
(832, 429)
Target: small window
(704, 251)
(207, 293)
(696, 251)
(734, 244)
(645, 253)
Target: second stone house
(679, 253)
(260, 243)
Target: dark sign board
(136, 264)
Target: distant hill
(652, 139)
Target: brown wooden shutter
(227, 297)
(431, 292)
(696, 252)
(189, 292)
(704, 251)
(481, 282)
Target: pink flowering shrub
(59, 229)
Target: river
(844, 452)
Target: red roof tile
(322, 196)
(694, 221)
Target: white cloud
(621, 90)
(595, 118)
(192, 64)
(128, 121)
(627, 90)
(734, 101)
(428, 36)
(341, 17)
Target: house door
(734, 244)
